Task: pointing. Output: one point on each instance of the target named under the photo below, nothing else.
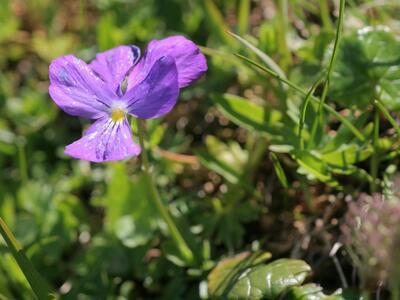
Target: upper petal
(76, 89)
(113, 65)
(105, 140)
(156, 95)
(190, 62)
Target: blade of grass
(263, 56)
(37, 283)
(243, 16)
(328, 108)
(339, 29)
(280, 173)
(387, 115)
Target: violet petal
(156, 95)
(105, 140)
(77, 90)
(113, 65)
(190, 62)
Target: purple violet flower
(95, 91)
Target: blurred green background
(89, 228)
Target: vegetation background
(238, 163)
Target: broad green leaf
(244, 277)
(347, 155)
(344, 135)
(229, 269)
(313, 167)
(129, 213)
(312, 291)
(368, 66)
(247, 114)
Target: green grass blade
(294, 86)
(339, 29)
(263, 56)
(37, 283)
(280, 173)
(388, 117)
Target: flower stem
(186, 252)
(37, 283)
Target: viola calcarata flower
(96, 91)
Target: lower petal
(105, 140)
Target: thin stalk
(338, 35)
(186, 252)
(38, 285)
(328, 108)
(375, 155)
(385, 112)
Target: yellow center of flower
(117, 114)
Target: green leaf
(247, 114)
(37, 283)
(313, 167)
(129, 213)
(246, 277)
(367, 67)
(347, 155)
(313, 291)
(280, 173)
